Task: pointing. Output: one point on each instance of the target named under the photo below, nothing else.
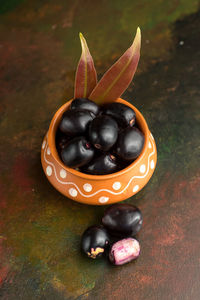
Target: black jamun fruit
(75, 122)
(77, 152)
(130, 143)
(103, 132)
(86, 104)
(122, 220)
(94, 241)
(61, 140)
(102, 165)
(123, 114)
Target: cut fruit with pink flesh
(86, 77)
(116, 80)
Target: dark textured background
(39, 228)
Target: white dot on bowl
(116, 185)
(135, 188)
(152, 136)
(48, 151)
(49, 170)
(87, 187)
(103, 199)
(150, 145)
(63, 173)
(43, 144)
(73, 192)
(142, 168)
(152, 164)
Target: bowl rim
(52, 145)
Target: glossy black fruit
(123, 114)
(103, 132)
(130, 143)
(61, 140)
(104, 164)
(75, 122)
(77, 152)
(122, 219)
(94, 241)
(86, 104)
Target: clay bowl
(98, 189)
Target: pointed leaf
(116, 80)
(86, 77)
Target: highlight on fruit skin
(103, 132)
(116, 80)
(123, 114)
(85, 104)
(122, 219)
(86, 76)
(77, 153)
(130, 143)
(104, 164)
(75, 122)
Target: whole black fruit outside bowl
(98, 189)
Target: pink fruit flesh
(124, 251)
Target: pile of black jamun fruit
(97, 139)
(115, 236)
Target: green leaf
(116, 80)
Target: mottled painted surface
(40, 229)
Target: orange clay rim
(51, 141)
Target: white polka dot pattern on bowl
(49, 170)
(152, 164)
(73, 192)
(85, 190)
(116, 185)
(87, 187)
(135, 188)
(142, 168)
(103, 199)
(43, 144)
(48, 151)
(63, 173)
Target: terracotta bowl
(98, 189)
